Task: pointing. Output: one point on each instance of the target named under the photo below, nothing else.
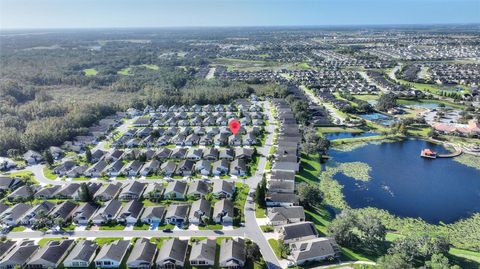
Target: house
(194, 154)
(198, 188)
(108, 212)
(244, 153)
(220, 167)
(177, 214)
(114, 168)
(178, 153)
(81, 255)
(96, 170)
(130, 212)
(285, 186)
(33, 215)
(281, 199)
(112, 255)
(285, 215)
(83, 213)
(220, 140)
(200, 212)
(153, 214)
(23, 193)
(63, 211)
(64, 167)
(46, 192)
(185, 168)
(297, 232)
(176, 190)
(172, 254)
(77, 171)
(226, 154)
(132, 191)
(154, 191)
(131, 169)
(9, 183)
(6, 247)
(19, 256)
(235, 140)
(163, 153)
(32, 157)
(203, 167)
(51, 255)
(108, 192)
(203, 253)
(114, 155)
(312, 250)
(223, 188)
(223, 212)
(13, 215)
(232, 253)
(142, 254)
(68, 191)
(238, 167)
(97, 155)
(150, 167)
(168, 168)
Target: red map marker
(234, 126)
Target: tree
(393, 261)
(342, 229)
(260, 192)
(284, 249)
(420, 247)
(438, 261)
(48, 157)
(85, 195)
(88, 155)
(253, 251)
(314, 143)
(386, 101)
(309, 195)
(372, 232)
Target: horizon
(107, 14)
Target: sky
(16, 14)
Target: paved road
(252, 230)
(338, 119)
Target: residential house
(238, 167)
(211, 154)
(150, 167)
(194, 154)
(177, 214)
(176, 190)
(153, 214)
(46, 192)
(142, 254)
(37, 212)
(84, 213)
(23, 193)
(68, 191)
(97, 155)
(81, 255)
(223, 188)
(112, 255)
(226, 154)
(223, 212)
(108, 212)
(96, 170)
(108, 192)
(185, 168)
(203, 167)
(19, 256)
(13, 215)
(198, 188)
(32, 157)
(132, 191)
(63, 211)
(130, 212)
(154, 191)
(77, 171)
(220, 167)
(203, 253)
(314, 250)
(131, 169)
(172, 254)
(6, 247)
(200, 212)
(295, 232)
(285, 215)
(244, 153)
(114, 168)
(51, 255)
(168, 168)
(232, 253)
(64, 167)
(56, 152)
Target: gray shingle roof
(114, 251)
(204, 249)
(83, 251)
(143, 251)
(173, 249)
(232, 248)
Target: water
(409, 186)
(379, 118)
(340, 135)
(426, 105)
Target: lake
(409, 186)
(340, 135)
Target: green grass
(18, 229)
(241, 198)
(310, 169)
(276, 247)
(125, 71)
(211, 227)
(90, 72)
(366, 97)
(429, 101)
(260, 212)
(324, 130)
(320, 217)
(143, 227)
(44, 241)
(48, 173)
(150, 66)
(106, 240)
(466, 254)
(112, 228)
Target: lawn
(106, 240)
(309, 169)
(117, 227)
(44, 241)
(125, 71)
(323, 130)
(142, 227)
(48, 173)
(276, 247)
(211, 227)
(366, 97)
(320, 217)
(260, 212)
(241, 198)
(90, 72)
(18, 229)
(150, 66)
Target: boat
(428, 153)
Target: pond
(379, 118)
(407, 185)
(340, 135)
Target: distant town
(357, 148)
